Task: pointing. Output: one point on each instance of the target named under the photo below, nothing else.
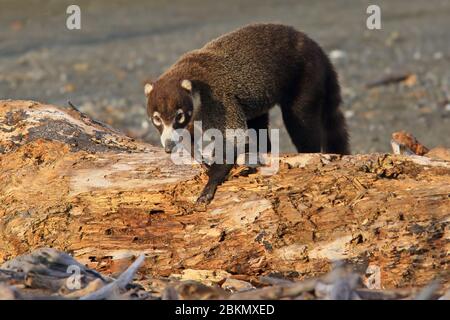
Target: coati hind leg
(313, 118)
(303, 123)
(336, 139)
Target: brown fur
(242, 74)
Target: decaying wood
(46, 273)
(117, 285)
(404, 143)
(71, 183)
(341, 283)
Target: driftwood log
(74, 184)
(43, 274)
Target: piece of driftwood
(114, 287)
(74, 184)
(405, 143)
(341, 284)
(393, 78)
(49, 274)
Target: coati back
(234, 80)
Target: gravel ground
(102, 67)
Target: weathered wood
(71, 183)
(341, 283)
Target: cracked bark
(74, 184)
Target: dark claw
(205, 198)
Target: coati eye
(156, 119)
(179, 118)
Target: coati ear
(148, 88)
(187, 85)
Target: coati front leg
(234, 118)
(217, 174)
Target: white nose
(167, 134)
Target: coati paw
(207, 195)
(205, 198)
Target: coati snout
(234, 80)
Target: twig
(118, 284)
(73, 107)
(389, 79)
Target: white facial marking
(179, 117)
(156, 118)
(167, 133)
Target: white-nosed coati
(234, 80)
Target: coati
(234, 80)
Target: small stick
(75, 108)
(125, 278)
(389, 79)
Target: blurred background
(102, 67)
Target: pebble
(438, 55)
(236, 285)
(337, 55)
(349, 114)
(417, 55)
(81, 67)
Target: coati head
(170, 106)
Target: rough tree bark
(74, 184)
